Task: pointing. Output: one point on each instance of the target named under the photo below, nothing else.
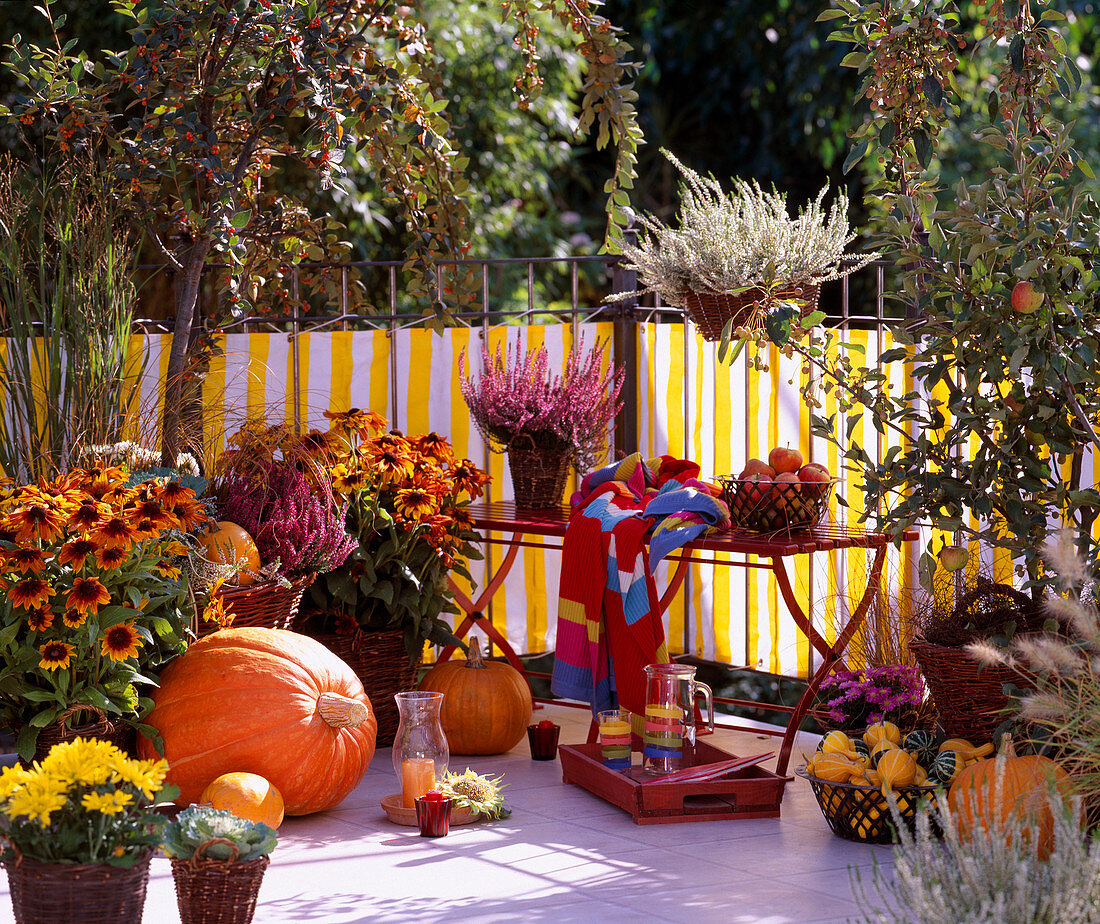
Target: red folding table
(544, 529)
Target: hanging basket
(120, 733)
(538, 477)
(710, 311)
(60, 893)
(266, 605)
(217, 891)
(381, 663)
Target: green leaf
(922, 145)
(855, 155)
(239, 220)
(932, 90)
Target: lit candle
(417, 777)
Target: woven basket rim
(71, 868)
(272, 585)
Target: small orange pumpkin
(226, 544)
(246, 795)
(486, 704)
(269, 702)
(982, 806)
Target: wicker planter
(711, 310)
(118, 732)
(267, 605)
(969, 697)
(59, 893)
(217, 891)
(381, 662)
(538, 478)
(861, 813)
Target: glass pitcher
(420, 751)
(669, 730)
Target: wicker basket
(217, 891)
(776, 506)
(969, 698)
(860, 813)
(381, 663)
(538, 478)
(60, 893)
(118, 732)
(267, 605)
(711, 310)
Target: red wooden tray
(750, 793)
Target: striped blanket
(609, 620)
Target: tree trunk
(187, 296)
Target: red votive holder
(543, 738)
(433, 814)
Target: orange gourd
(269, 702)
(486, 704)
(246, 795)
(982, 806)
(226, 544)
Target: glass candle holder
(433, 815)
(543, 739)
(614, 729)
(420, 751)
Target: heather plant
(730, 241)
(983, 879)
(518, 403)
(855, 699)
(291, 522)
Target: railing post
(624, 346)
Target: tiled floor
(564, 855)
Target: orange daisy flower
(166, 569)
(40, 619)
(74, 619)
(172, 492)
(31, 593)
(415, 503)
(25, 560)
(113, 533)
(87, 515)
(87, 595)
(389, 464)
(39, 520)
(347, 479)
(152, 508)
(144, 528)
(214, 611)
(120, 642)
(323, 445)
(434, 446)
(105, 483)
(109, 559)
(55, 655)
(75, 551)
(469, 478)
(364, 423)
(189, 513)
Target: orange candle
(417, 777)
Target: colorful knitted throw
(609, 619)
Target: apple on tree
(1026, 299)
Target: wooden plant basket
(711, 310)
(217, 891)
(265, 605)
(61, 893)
(538, 478)
(749, 793)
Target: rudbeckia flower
(120, 642)
(87, 595)
(30, 593)
(55, 655)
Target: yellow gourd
(921, 777)
(834, 768)
(882, 731)
(881, 748)
(872, 777)
(965, 749)
(836, 742)
(896, 769)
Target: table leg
(475, 613)
(831, 654)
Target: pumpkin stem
(340, 711)
(474, 659)
(1008, 749)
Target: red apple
(787, 487)
(1026, 299)
(753, 492)
(814, 476)
(757, 467)
(953, 557)
(785, 459)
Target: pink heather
(517, 396)
(288, 520)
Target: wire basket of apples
(782, 494)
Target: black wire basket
(776, 506)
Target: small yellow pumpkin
(882, 731)
(246, 795)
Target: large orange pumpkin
(269, 702)
(486, 704)
(226, 544)
(982, 806)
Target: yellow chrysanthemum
(146, 775)
(11, 778)
(84, 761)
(38, 798)
(108, 803)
